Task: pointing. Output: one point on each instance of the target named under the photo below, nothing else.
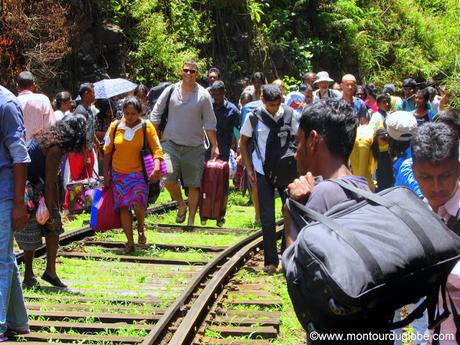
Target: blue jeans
(13, 314)
(420, 326)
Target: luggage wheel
(203, 222)
(221, 222)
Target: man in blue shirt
(13, 213)
(228, 117)
(348, 94)
(401, 125)
(408, 103)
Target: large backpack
(154, 95)
(279, 164)
(367, 257)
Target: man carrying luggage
(325, 140)
(437, 170)
(190, 110)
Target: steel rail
(158, 332)
(198, 311)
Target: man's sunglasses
(190, 71)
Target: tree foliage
(35, 36)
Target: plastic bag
(232, 164)
(42, 214)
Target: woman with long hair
(46, 149)
(422, 112)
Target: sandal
(53, 281)
(128, 249)
(180, 218)
(142, 239)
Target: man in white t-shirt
(253, 161)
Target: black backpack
(154, 95)
(367, 257)
(280, 167)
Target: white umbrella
(108, 88)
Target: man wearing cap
(400, 126)
(322, 82)
(408, 103)
(295, 100)
(36, 107)
(190, 110)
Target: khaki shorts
(185, 161)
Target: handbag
(148, 165)
(103, 214)
(147, 161)
(79, 194)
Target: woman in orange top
(122, 165)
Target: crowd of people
(371, 138)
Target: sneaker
(31, 283)
(271, 269)
(3, 338)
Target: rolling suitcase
(214, 191)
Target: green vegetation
(378, 40)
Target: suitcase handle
(397, 210)
(364, 253)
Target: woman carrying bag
(123, 167)
(46, 149)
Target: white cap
(401, 125)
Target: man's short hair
(409, 82)
(308, 75)
(450, 117)
(336, 121)
(25, 80)
(434, 143)
(214, 70)
(258, 76)
(191, 62)
(271, 92)
(389, 88)
(217, 85)
(348, 77)
(84, 88)
(305, 87)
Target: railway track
(166, 293)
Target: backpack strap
(113, 141)
(397, 210)
(254, 119)
(454, 223)
(165, 113)
(114, 134)
(144, 132)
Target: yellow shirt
(361, 159)
(128, 144)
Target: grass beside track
(103, 280)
